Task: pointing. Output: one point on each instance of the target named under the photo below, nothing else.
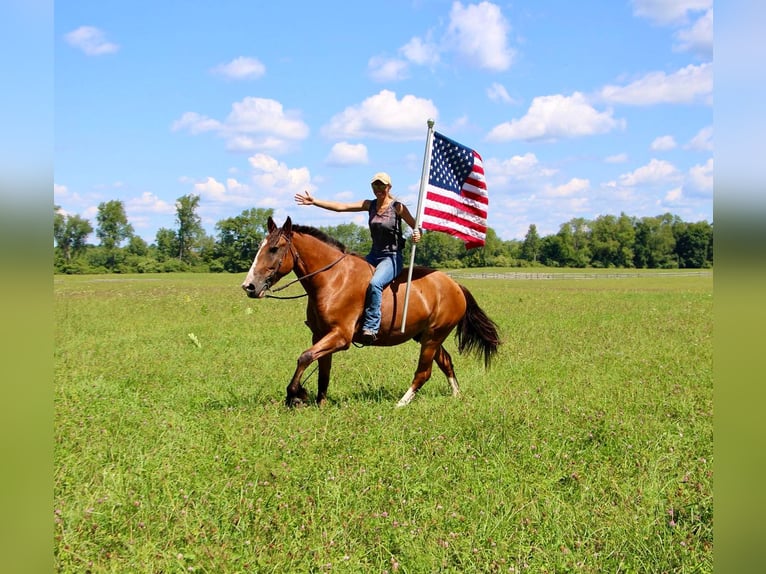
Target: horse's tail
(477, 333)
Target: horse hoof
(295, 402)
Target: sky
(577, 109)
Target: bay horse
(336, 284)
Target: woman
(384, 219)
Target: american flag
(456, 195)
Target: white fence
(557, 275)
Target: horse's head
(274, 259)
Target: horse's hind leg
(425, 364)
(443, 359)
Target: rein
(295, 256)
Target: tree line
(608, 241)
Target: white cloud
(699, 37)
(383, 116)
(416, 51)
(655, 172)
(210, 189)
(663, 143)
(240, 68)
(497, 93)
(420, 52)
(573, 186)
(148, 202)
(387, 69)
(91, 40)
(617, 158)
(263, 115)
(701, 176)
(669, 12)
(501, 173)
(344, 153)
(253, 124)
(703, 140)
(231, 192)
(243, 143)
(675, 195)
(554, 117)
(195, 123)
(684, 86)
(277, 182)
(478, 32)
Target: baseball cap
(381, 176)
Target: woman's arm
(405, 214)
(308, 199)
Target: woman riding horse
(385, 216)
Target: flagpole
(418, 216)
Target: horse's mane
(319, 234)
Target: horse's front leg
(296, 394)
(321, 351)
(325, 364)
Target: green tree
(612, 240)
(626, 238)
(530, 249)
(239, 238)
(355, 237)
(189, 226)
(166, 243)
(112, 228)
(563, 250)
(693, 244)
(493, 253)
(112, 224)
(437, 249)
(70, 233)
(553, 251)
(655, 243)
(137, 246)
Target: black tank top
(385, 229)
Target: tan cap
(381, 176)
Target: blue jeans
(387, 267)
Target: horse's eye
(273, 249)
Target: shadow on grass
(238, 401)
(369, 394)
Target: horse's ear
(287, 228)
(270, 225)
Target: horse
(335, 282)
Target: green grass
(587, 447)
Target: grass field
(587, 447)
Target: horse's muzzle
(251, 291)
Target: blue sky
(577, 109)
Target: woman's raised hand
(304, 199)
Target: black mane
(321, 235)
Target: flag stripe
(467, 205)
(470, 240)
(435, 216)
(456, 198)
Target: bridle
(296, 258)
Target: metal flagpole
(419, 216)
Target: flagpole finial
(431, 122)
